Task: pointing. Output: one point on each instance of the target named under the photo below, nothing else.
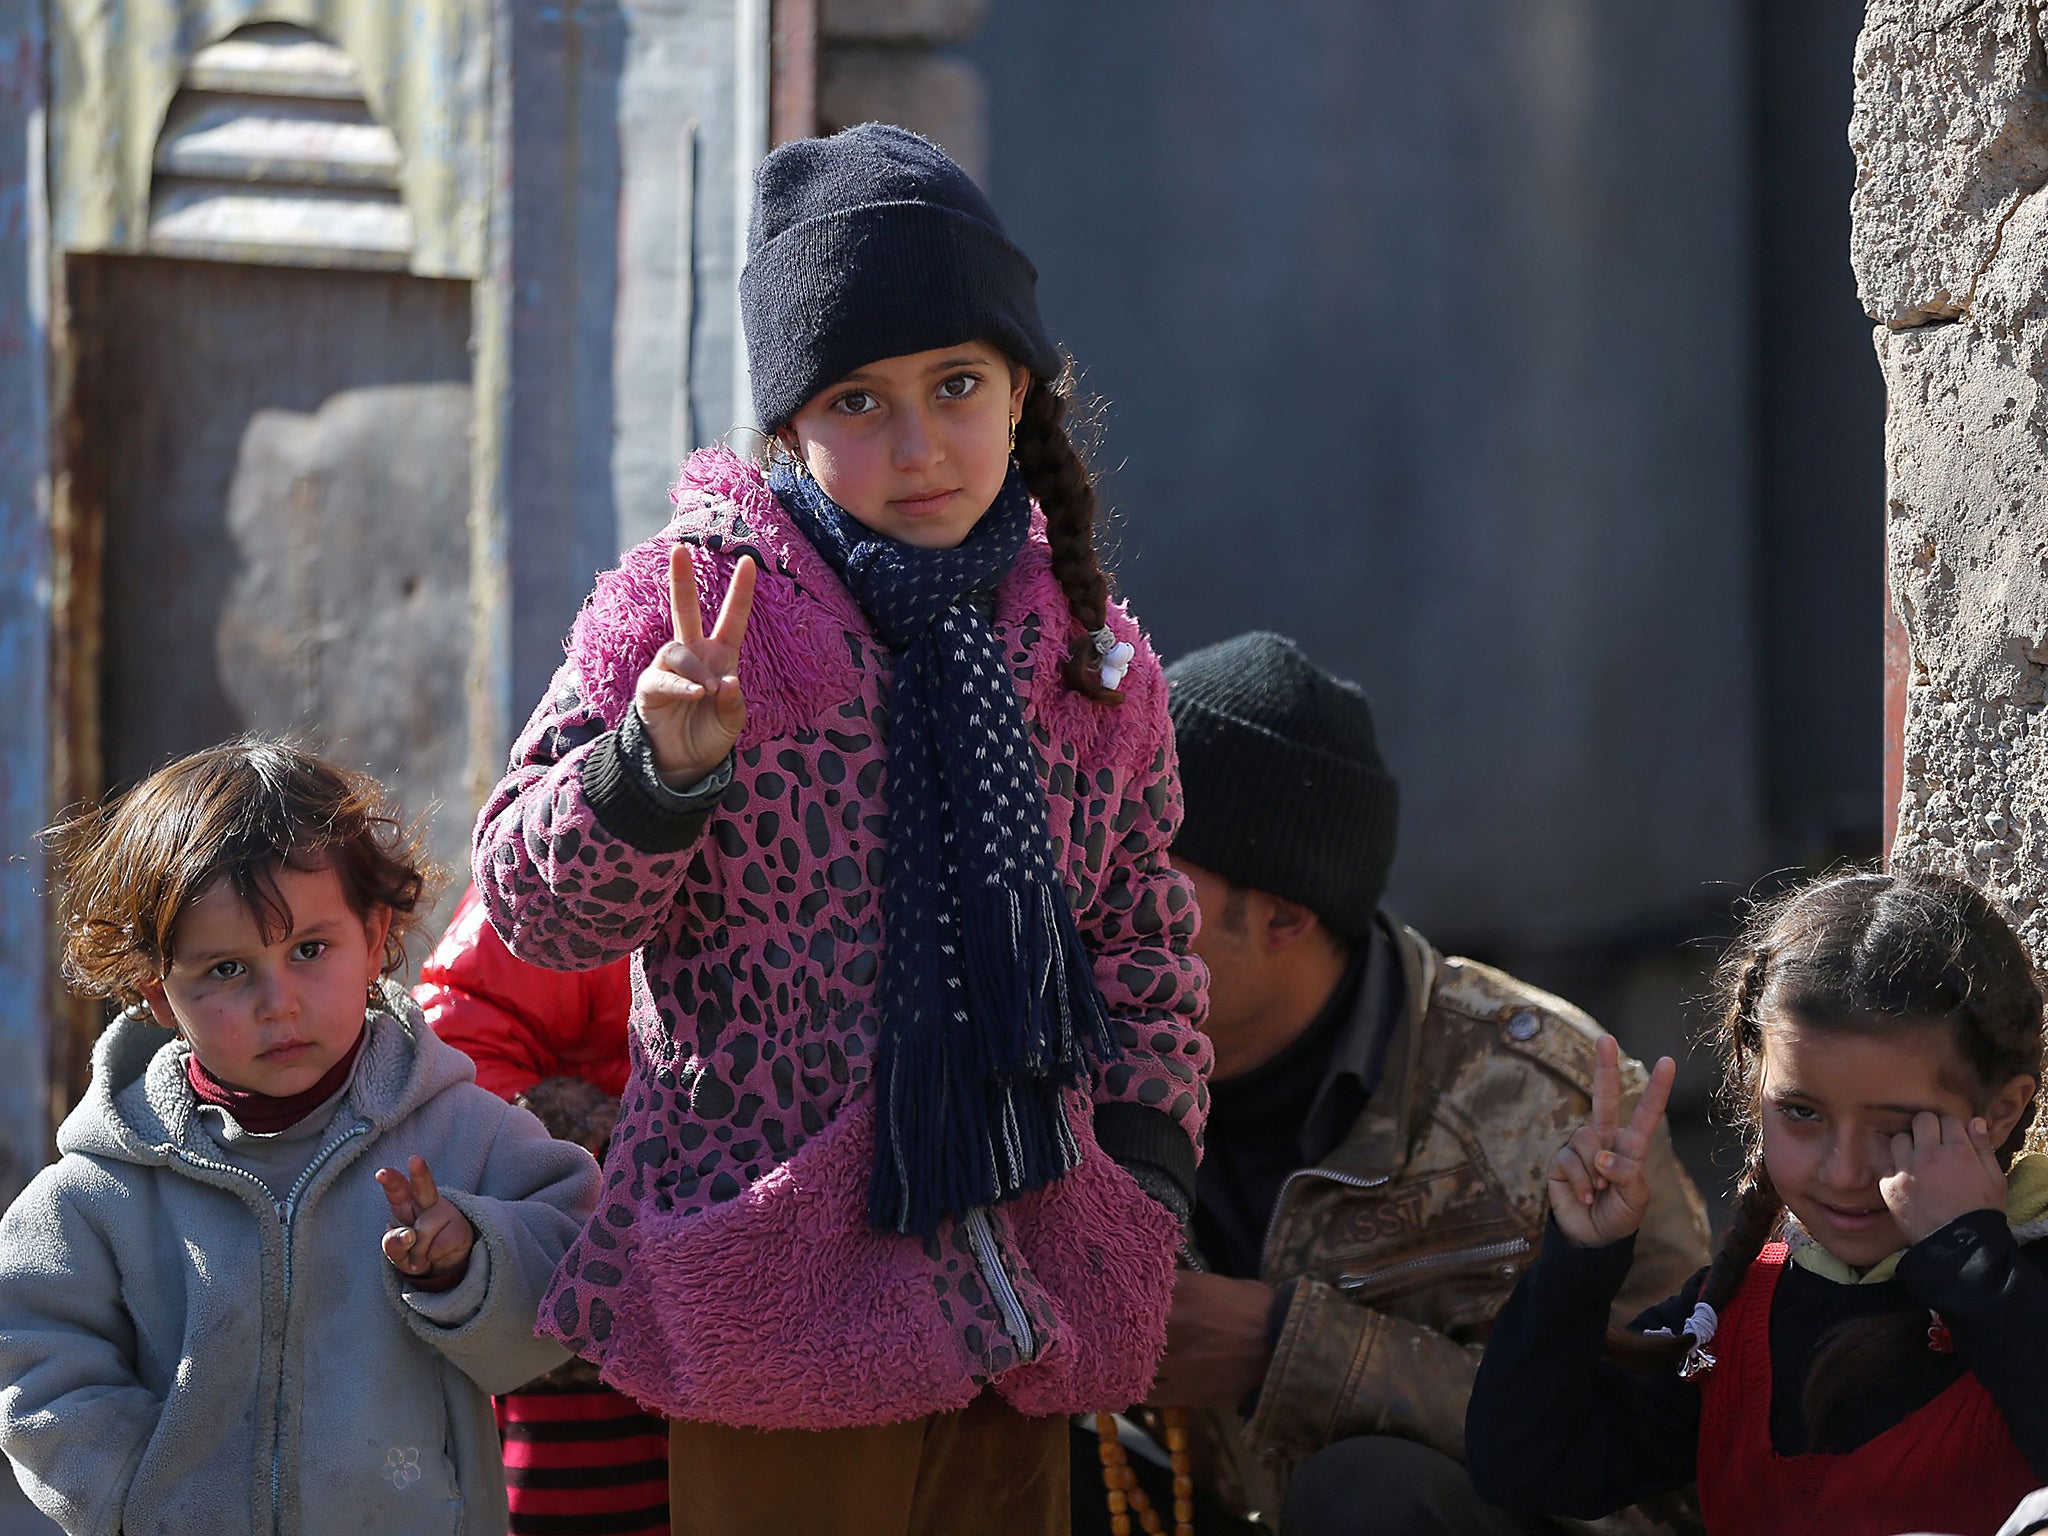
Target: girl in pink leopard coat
(861, 764)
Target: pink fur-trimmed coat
(730, 1274)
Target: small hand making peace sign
(689, 697)
(429, 1239)
(1599, 1181)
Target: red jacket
(518, 1022)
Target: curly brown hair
(130, 866)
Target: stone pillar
(1950, 248)
(880, 62)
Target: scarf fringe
(998, 1126)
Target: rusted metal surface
(421, 67)
(285, 503)
(77, 547)
(24, 599)
(285, 164)
(793, 70)
(314, 227)
(631, 131)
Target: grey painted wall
(1427, 328)
(1820, 479)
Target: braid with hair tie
(1057, 477)
(1757, 1210)
(1742, 977)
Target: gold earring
(1013, 434)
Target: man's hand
(1942, 1169)
(429, 1239)
(1216, 1350)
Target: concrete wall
(1951, 254)
(1428, 331)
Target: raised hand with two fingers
(1599, 1180)
(429, 1239)
(689, 697)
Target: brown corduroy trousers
(984, 1469)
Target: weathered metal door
(378, 327)
(268, 234)
(279, 459)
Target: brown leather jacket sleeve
(1343, 1368)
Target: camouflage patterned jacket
(1406, 1240)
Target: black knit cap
(1286, 791)
(871, 244)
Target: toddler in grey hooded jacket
(182, 1350)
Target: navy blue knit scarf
(988, 1003)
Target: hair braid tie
(1701, 1327)
(1756, 1216)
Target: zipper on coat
(1348, 1180)
(285, 1209)
(983, 1240)
(1506, 1248)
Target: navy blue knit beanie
(1286, 791)
(871, 244)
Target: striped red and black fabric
(583, 1463)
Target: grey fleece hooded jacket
(181, 1352)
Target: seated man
(1381, 1118)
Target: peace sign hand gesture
(429, 1239)
(1599, 1184)
(689, 697)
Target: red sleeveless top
(1950, 1465)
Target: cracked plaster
(1950, 249)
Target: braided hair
(1869, 952)
(1058, 479)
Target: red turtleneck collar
(265, 1113)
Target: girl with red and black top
(578, 1455)
(1868, 1352)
